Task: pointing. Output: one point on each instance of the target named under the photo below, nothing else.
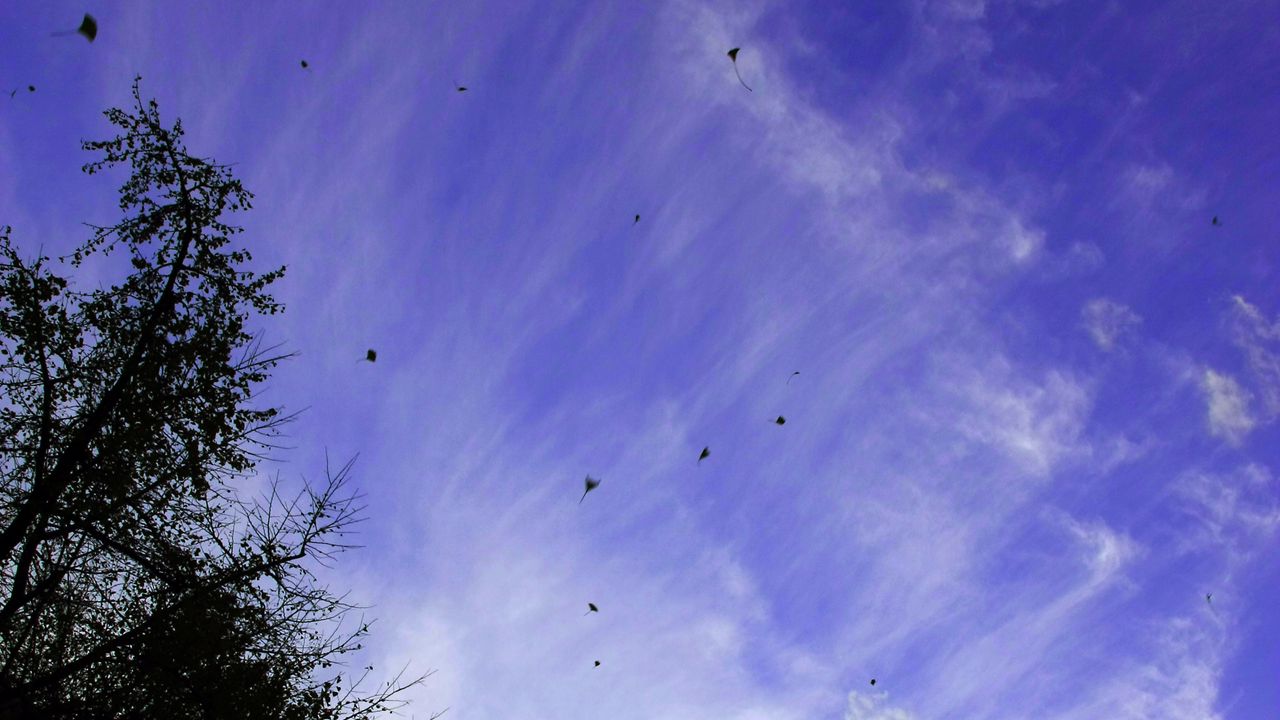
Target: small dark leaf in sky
(591, 484)
(781, 420)
(1216, 221)
(371, 355)
(31, 88)
(304, 65)
(1209, 598)
(706, 452)
(591, 607)
(791, 376)
(733, 56)
(873, 681)
(597, 663)
(88, 28)
(459, 88)
(637, 219)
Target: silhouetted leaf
(873, 681)
(1216, 221)
(591, 484)
(304, 64)
(371, 355)
(733, 56)
(597, 663)
(591, 607)
(459, 88)
(780, 421)
(88, 28)
(637, 219)
(791, 376)
(706, 452)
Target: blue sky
(1036, 417)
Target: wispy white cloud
(1179, 680)
(1035, 422)
(977, 676)
(873, 706)
(1152, 188)
(1147, 183)
(1228, 406)
(1233, 511)
(1106, 551)
(1108, 321)
(854, 165)
(1259, 339)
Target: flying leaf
(791, 376)
(637, 219)
(873, 681)
(1216, 221)
(733, 56)
(371, 355)
(88, 28)
(1209, 598)
(706, 452)
(591, 484)
(459, 88)
(304, 64)
(591, 607)
(780, 421)
(597, 663)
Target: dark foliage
(135, 580)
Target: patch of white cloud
(1077, 259)
(1233, 511)
(1234, 516)
(976, 676)
(504, 621)
(1228, 407)
(1105, 551)
(1084, 257)
(854, 164)
(963, 9)
(1158, 199)
(1259, 339)
(1114, 451)
(1108, 321)
(1023, 242)
(1147, 183)
(1178, 680)
(873, 706)
(1037, 423)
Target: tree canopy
(135, 579)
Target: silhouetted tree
(135, 581)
